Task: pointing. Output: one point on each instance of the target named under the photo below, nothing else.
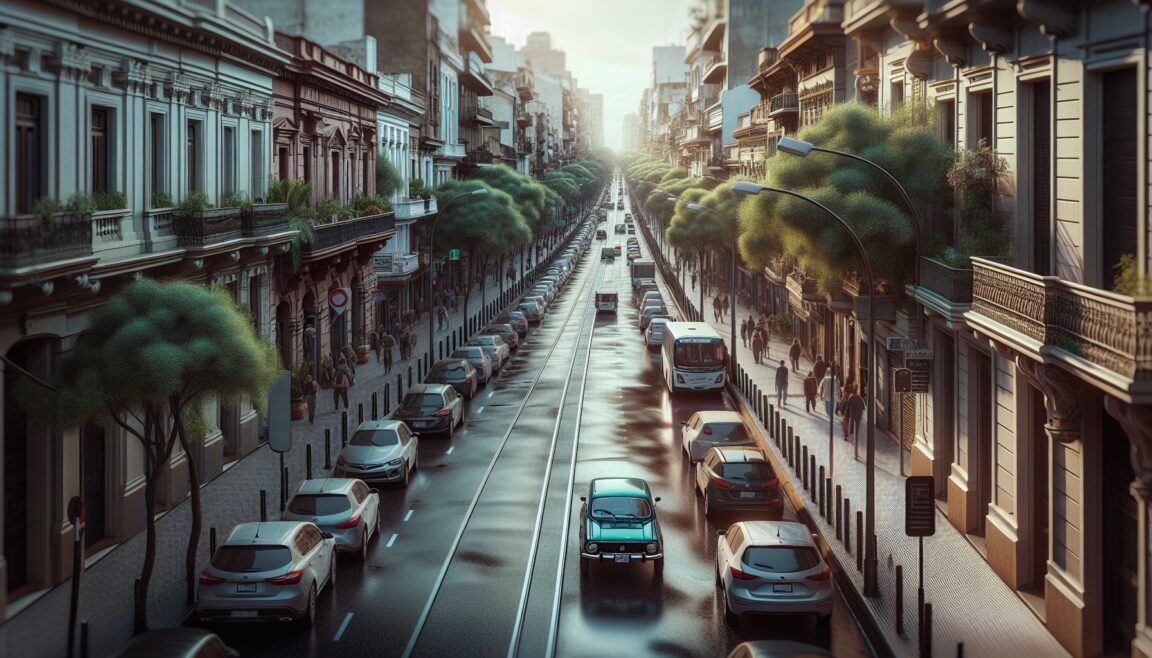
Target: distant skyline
(608, 43)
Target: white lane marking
(491, 393)
(391, 540)
(450, 449)
(480, 410)
(408, 516)
(343, 627)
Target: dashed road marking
(450, 449)
(408, 516)
(391, 540)
(343, 627)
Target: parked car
(654, 334)
(344, 507)
(379, 451)
(647, 295)
(618, 524)
(778, 649)
(739, 478)
(631, 229)
(478, 358)
(457, 372)
(772, 567)
(607, 253)
(431, 408)
(532, 310)
(506, 332)
(268, 571)
(177, 642)
(495, 346)
(705, 429)
(519, 322)
(543, 303)
(648, 314)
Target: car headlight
(651, 549)
(396, 462)
(592, 547)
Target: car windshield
(468, 354)
(423, 401)
(620, 507)
(748, 471)
(781, 559)
(380, 438)
(251, 559)
(727, 429)
(456, 368)
(319, 505)
(699, 355)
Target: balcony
(406, 208)
(715, 69)
(944, 288)
(477, 116)
(524, 147)
(1102, 336)
(695, 135)
(475, 77)
(508, 154)
(525, 86)
(746, 128)
(451, 151)
(362, 230)
(784, 103)
(264, 219)
(856, 287)
(32, 241)
(480, 156)
(390, 264)
(523, 119)
(717, 164)
(207, 228)
(473, 40)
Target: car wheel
(362, 554)
(730, 615)
(658, 567)
(824, 622)
(309, 618)
(332, 569)
(451, 429)
(379, 524)
(707, 507)
(584, 566)
(407, 476)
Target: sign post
(76, 517)
(920, 521)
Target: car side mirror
(656, 499)
(721, 533)
(583, 499)
(325, 534)
(374, 491)
(683, 422)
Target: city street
(479, 556)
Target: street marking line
(450, 449)
(480, 410)
(391, 540)
(408, 516)
(343, 627)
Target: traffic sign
(921, 371)
(338, 299)
(898, 344)
(926, 355)
(919, 506)
(903, 380)
(453, 254)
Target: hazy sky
(608, 43)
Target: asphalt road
(478, 557)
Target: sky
(608, 43)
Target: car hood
(621, 530)
(370, 454)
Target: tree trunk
(141, 598)
(193, 550)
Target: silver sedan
(379, 451)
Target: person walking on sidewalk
(782, 385)
(853, 413)
(820, 368)
(794, 354)
(404, 343)
(716, 308)
(441, 317)
(349, 355)
(693, 279)
(387, 342)
(374, 343)
(811, 384)
(724, 309)
(826, 391)
(764, 338)
(343, 381)
(744, 332)
(757, 348)
(311, 388)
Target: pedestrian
(764, 337)
(419, 307)
(412, 340)
(727, 305)
(819, 368)
(744, 333)
(310, 388)
(387, 342)
(374, 343)
(811, 385)
(442, 316)
(716, 308)
(349, 354)
(853, 413)
(757, 349)
(693, 279)
(794, 354)
(827, 392)
(782, 385)
(327, 371)
(404, 344)
(340, 387)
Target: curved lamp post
(802, 149)
(870, 584)
(695, 207)
(483, 191)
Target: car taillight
(402, 412)
(468, 378)
(740, 575)
(290, 578)
(769, 484)
(208, 579)
(723, 484)
(353, 522)
(442, 412)
(708, 430)
(823, 575)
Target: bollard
(327, 450)
(899, 599)
(814, 488)
(283, 489)
(375, 406)
(791, 452)
(84, 639)
(263, 505)
(828, 499)
(399, 387)
(804, 472)
(211, 542)
(307, 461)
(848, 525)
(453, 343)
(764, 406)
(859, 540)
(440, 349)
(409, 375)
(926, 633)
(960, 650)
(839, 508)
(387, 397)
(419, 370)
(427, 361)
(771, 425)
(818, 496)
(359, 414)
(791, 442)
(343, 428)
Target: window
(101, 152)
(157, 152)
(368, 174)
(228, 160)
(192, 155)
(334, 189)
(30, 154)
(255, 282)
(380, 438)
(781, 559)
(307, 165)
(699, 355)
(243, 559)
(616, 507)
(947, 110)
(256, 186)
(897, 94)
(980, 119)
(319, 505)
(282, 163)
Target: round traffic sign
(338, 299)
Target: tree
(531, 199)
(564, 185)
(298, 195)
(389, 180)
(704, 230)
(481, 226)
(151, 356)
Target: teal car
(618, 524)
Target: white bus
(693, 357)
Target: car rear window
(781, 559)
(751, 472)
(380, 438)
(423, 401)
(454, 368)
(728, 429)
(319, 505)
(251, 559)
(466, 354)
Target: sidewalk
(971, 605)
(106, 591)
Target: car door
(705, 470)
(306, 547)
(688, 432)
(452, 398)
(321, 550)
(369, 506)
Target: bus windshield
(702, 355)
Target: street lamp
(870, 584)
(482, 191)
(802, 149)
(695, 207)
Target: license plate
(782, 587)
(243, 613)
(421, 423)
(245, 587)
(623, 559)
(747, 494)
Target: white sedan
(772, 567)
(705, 429)
(494, 346)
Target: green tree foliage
(563, 184)
(389, 179)
(776, 225)
(154, 352)
(531, 197)
(977, 176)
(674, 173)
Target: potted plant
(299, 402)
(197, 222)
(363, 350)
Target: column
(1137, 423)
